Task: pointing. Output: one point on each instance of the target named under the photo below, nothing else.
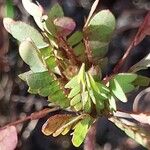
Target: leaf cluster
(66, 67)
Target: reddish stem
(33, 116)
(88, 51)
(120, 63)
(69, 51)
(123, 59)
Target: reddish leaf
(143, 30)
(64, 25)
(142, 118)
(8, 138)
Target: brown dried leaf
(8, 138)
(143, 30)
(142, 118)
(54, 123)
(132, 130)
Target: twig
(91, 12)
(137, 39)
(123, 59)
(69, 51)
(33, 116)
(120, 63)
(121, 114)
(88, 51)
(86, 39)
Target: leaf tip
(7, 22)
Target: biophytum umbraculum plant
(66, 66)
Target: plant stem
(89, 143)
(123, 59)
(120, 63)
(69, 51)
(33, 116)
(88, 51)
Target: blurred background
(16, 102)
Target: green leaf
(85, 97)
(75, 100)
(141, 65)
(21, 31)
(23, 76)
(48, 57)
(81, 74)
(44, 84)
(127, 87)
(79, 51)
(74, 91)
(101, 89)
(78, 106)
(50, 62)
(99, 49)
(34, 10)
(9, 9)
(88, 83)
(55, 12)
(99, 102)
(30, 55)
(92, 83)
(99, 31)
(95, 94)
(141, 81)
(102, 24)
(112, 103)
(117, 90)
(92, 96)
(39, 80)
(126, 77)
(33, 91)
(72, 83)
(80, 131)
(125, 80)
(49, 90)
(75, 38)
(88, 106)
(59, 98)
